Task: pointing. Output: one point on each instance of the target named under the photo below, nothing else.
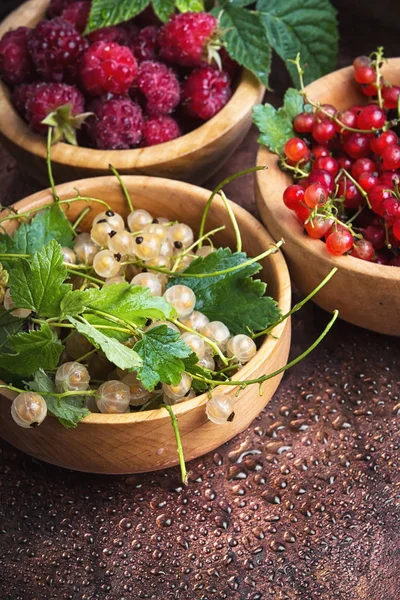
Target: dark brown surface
(303, 505)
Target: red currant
(344, 162)
(303, 122)
(370, 117)
(323, 177)
(368, 180)
(361, 61)
(318, 227)
(362, 165)
(353, 198)
(365, 74)
(377, 195)
(380, 141)
(390, 95)
(389, 179)
(303, 212)
(326, 163)
(319, 151)
(357, 145)
(391, 158)
(338, 242)
(315, 195)
(396, 229)
(296, 150)
(369, 89)
(348, 119)
(293, 195)
(375, 235)
(326, 108)
(388, 208)
(323, 131)
(363, 249)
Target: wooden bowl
(192, 157)
(144, 441)
(366, 294)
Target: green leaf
(308, 27)
(164, 9)
(121, 356)
(69, 410)
(188, 5)
(233, 298)
(244, 34)
(30, 351)
(162, 352)
(38, 283)
(104, 13)
(275, 127)
(293, 103)
(9, 326)
(132, 303)
(76, 301)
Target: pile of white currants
(144, 253)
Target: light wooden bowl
(193, 157)
(144, 441)
(366, 294)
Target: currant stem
(123, 187)
(81, 217)
(179, 447)
(358, 186)
(12, 388)
(49, 167)
(87, 355)
(233, 221)
(212, 344)
(85, 276)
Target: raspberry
(108, 68)
(15, 62)
(56, 47)
(77, 14)
(158, 130)
(115, 33)
(145, 44)
(205, 92)
(21, 95)
(117, 124)
(185, 38)
(160, 87)
(46, 98)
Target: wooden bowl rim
(200, 196)
(293, 227)
(247, 92)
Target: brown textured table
(303, 505)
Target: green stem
(49, 168)
(259, 380)
(7, 256)
(204, 237)
(81, 216)
(179, 447)
(299, 305)
(54, 394)
(203, 337)
(123, 187)
(358, 186)
(87, 355)
(132, 328)
(70, 326)
(85, 276)
(215, 192)
(233, 221)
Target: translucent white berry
(106, 264)
(241, 347)
(138, 394)
(184, 262)
(146, 246)
(220, 409)
(181, 236)
(195, 343)
(196, 320)
(160, 261)
(179, 391)
(217, 332)
(77, 345)
(204, 251)
(163, 220)
(100, 233)
(112, 218)
(138, 219)
(158, 323)
(21, 313)
(29, 409)
(157, 229)
(121, 243)
(167, 248)
(182, 299)
(149, 280)
(68, 255)
(85, 248)
(115, 279)
(113, 397)
(207, 362)
(72, 376)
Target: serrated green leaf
(104, 13)
(233, 298)
(76, 301)
(164, 9)
(9, 326)
(293, 103)
(132, 303)
(244, 35)
(30, 351)
(189, 5)
(38, 283)
(162, 352)
(69, 410)
(274, 125)
(308, 27)
(118, 354)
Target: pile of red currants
(347, 166)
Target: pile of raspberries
(145, 83)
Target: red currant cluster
(348, 170)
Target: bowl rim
(282, 278)
(292, 224)
(247, 92)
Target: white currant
(113, 397)
(220, 409)
(72, 376)
(113, 219)
(85, 249)
(68, 255)
(179, 391)
(182, 299)
(241, 347)
(21, 313)
(195, 343)
(29, 409)
(106, 264)
(217, 332)
(138, 219)
(121, 243)
(149, 280)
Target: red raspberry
(77, 14)
(160, 87)
(117, 124)
(56, 47)
(57, 6)
(115, 33)
(145, 44)
(46, 98)
(15, 62)
(21, 95)
(205, 92)
(184, 39)
(108, 68)
(158, 130)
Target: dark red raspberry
(108, 68)
(205, 92)
(160, 87)
(56, 7)
(145, 44)
(77, 14)
(16, 65)
(115, 33)
(56, 47)
(184, 39)
(117, 124)
(158, 130)
(21, 95)
(47, 97)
